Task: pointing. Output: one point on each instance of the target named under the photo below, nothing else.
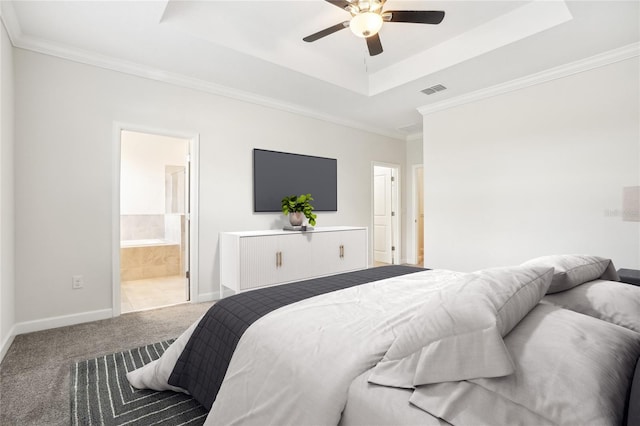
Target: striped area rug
(102, 395)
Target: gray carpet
(101, 394)
(36, 372)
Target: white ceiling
(253, 50)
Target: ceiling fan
(367, 18)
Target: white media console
(254, 259)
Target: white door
(420, 215)
(186, 254)
(382, 219)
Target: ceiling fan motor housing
(365, 6)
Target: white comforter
(295, 365)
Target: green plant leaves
(299, 203)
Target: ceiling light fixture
(366, 24)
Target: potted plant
(298, 207)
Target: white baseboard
(61, 321)
(207, 297)
(6, 344)
(214, 295)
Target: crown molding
(10, 21)
(596, 61)
(21, 41)
(529, 18)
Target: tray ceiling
(254, 49)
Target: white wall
(534, 172)
(7, 274)
(144, 157)
(65, 114)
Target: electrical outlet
(77, 281)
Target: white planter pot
(296, 218)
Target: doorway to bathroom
(154, 221)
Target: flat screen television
(280, 174)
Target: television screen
(279, 174)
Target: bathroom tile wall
(137, 263)
(142, 226)
(152, 261)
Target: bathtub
(145, 243)
(149, 258)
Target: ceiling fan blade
(416, 16)
(342, 4)
(374, 45)
(326, 32)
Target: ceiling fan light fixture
(367, 17)
(366, 24)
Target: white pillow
(457, 333)
(574, 269)
(611, 301)
(571, 369)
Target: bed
(555, 340)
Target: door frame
(396, 237)
(415, 211)
(194, 149)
